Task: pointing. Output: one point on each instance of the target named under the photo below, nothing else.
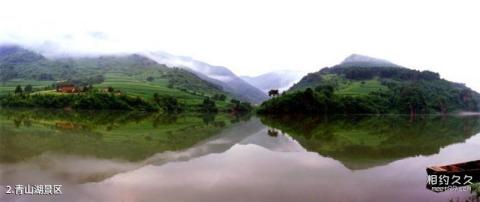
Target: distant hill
(356, 60)
(281, 80)
(134, 74)
(362, 84)
(218, 75)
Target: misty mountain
(281, 80)
(17, 62)
(134, 74)
(218, 75)
(356, 60)
(378, 86)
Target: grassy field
(134, 86)
(348, 87)
(352, 87)
(9, 86)
(131, 85)
(358, 88)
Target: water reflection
(361, 142)
(112, 135)
(334, 159)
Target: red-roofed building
(67, 88)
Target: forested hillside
(361, 88)
(132, 74)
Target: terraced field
(135, 87)
(348, 87)
(357, 88)
(131, 85)
(9, 86)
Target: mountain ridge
(216, 74)
(357, 60)
(133, 74)
(365, 85)
(280, 80)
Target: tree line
(413, 99)
(93, 99)
(398, 73)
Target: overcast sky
(252, 37)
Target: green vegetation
(111, 99)
(240, 107)
(365, 141)
(91, 100)
(475, 190)
(133, 75)
(168, 103)
(373, 90)
(208, 106)
(320, 101)
(9, 86)
(131, 136)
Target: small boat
(472, 167)
(453, 175)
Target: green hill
(132, 74)
(373, 86)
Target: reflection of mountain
(40, 141)
(238, 160)
(104, 135)
(219, 143)
(363, 142)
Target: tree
(18, 90)
(28, 88)
(234, 101)
(208, 106)
(241, 107)
(273, 93)
(412, 99)
(168, 103)
(156, 97)
(326, 90)
(150, 79)
(110, 89)
(220, 97)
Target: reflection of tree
(88, 119)
(476, 190)
(473, 197)
(237, 117)
(160, 119)
(272, 132)
(208, 118)
(17, 122)
(120, 135)
(361, 142)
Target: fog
(252, 37)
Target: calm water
(120, 156)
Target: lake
(132, 156)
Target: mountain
(218, 75)
(367, 85)
(281, 80)
(133, 74)
(356, 60)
